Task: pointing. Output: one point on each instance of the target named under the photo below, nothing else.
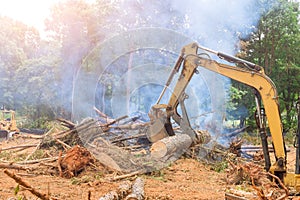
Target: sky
(30, 12)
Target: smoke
(219, 24)
(144, 39)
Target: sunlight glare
(30, 12)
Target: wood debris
(127, 191)
(27, 186)
(261, 181)
(119, 145)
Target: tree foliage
(74, 27)
(275, 45)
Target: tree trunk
(169, 146)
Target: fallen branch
(66, 123)
(26, 185)
(66, 146)
(13, 166)
(115, 120)
(282, 185)
(18, 147)
(101, 114)
(37, 161)
(137, 190)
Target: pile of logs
(120, 145)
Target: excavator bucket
(160, 124)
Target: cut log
(137, 190)
(173, 145)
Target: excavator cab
(8, 124)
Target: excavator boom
(245, 72)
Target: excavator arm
(249, 74)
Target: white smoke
(216, 24)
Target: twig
(65, 146)
(101, 114)
(115, 120)
(26, 185)
(128, 175)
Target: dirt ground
(184, 179)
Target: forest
(41, 73)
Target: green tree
(72, 24)
(275, 45)
(18, 43)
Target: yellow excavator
(266, 98)
(8, 124)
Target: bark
(137, 190)
(13, 166)
(27, 186)
(66, 123)
(128, 138)
(134, 126)
(169, 146)
(121, 192)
